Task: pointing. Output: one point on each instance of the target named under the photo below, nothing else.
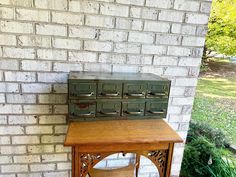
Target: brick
(176, 71)
(183, 101)
(205, 7)
(153, 49)
(48, 29)
(151, 69)
(197, 52)
(126, 68)
(149, 13)
(9, 64)
(193, 41)
(118, 163)
(139, 59)
(202, 30)
(186, 5)
(178, 51)
(2, 98)
(51, 54)
(55, 174)
(21, 98)
(67, 18)
(114, 9)
(32, 15)
(194, 71)
(54, 119)
(84, 6)
(16, 119)
(24, 3)
(157, 26)
(131, 2)
(174, 109)
(99, 67)
(9, 87)
(165, 61)
(36, 149)
(37, 109)
(83, 32)
(82, 56)
(112, 58)
(176, 28)
(39, 130)
(60, 88)
(177, 91)
(136, 24)
(12, 52)
(171, 16)
(35, 41)
(52, 4)
(42, 167)
(16, 27)
(141, 37)
(127, 48)
(11, 130)
(20, 76)
(56, 98)
(54, 157)
(188, 29)
(123, 23)
(186, 82)
(116, 36)
(14, 168)
(189, 61)
(66, 43)
(5, 160)
(62, 148)
(135, 12)
(165, 4)
(60, 109)
(61, 129)
(29, 65)
(27, 159)
(52, 139)
(3, 119)
(99, 21)
(36, 88)
(192, 18)
(67, 67)
(4, 140)
(25, 140)
(98, 46)
(64, 166)
(30, 175)
(10, 109)
(6, 13)
(168, 39)
(6, 39)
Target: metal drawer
(157, 109)
(83, 108)
(134, 90)
(158, 90)
(133, 108)
(109, 90)
(108, 109)
(80, 90)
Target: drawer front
(79, 90)
(157, 109)
(108, 109)
(158, 90)
(133, 108)
(134, 90)
(110, 90)
(85, 109)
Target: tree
(221, 36)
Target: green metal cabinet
(109, 96)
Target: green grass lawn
(215, 104)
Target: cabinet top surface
(114, 76)
(120, 131)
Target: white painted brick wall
(42, 40)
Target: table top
(120, 132)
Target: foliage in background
(202, 158)
(221, 36)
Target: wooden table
(93, 141)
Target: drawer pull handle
(109, 113)
(136, 94)
(86, 94)
(86, 114)
(110, 94)
(156, 112)
(133, 112)
(157, 94)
